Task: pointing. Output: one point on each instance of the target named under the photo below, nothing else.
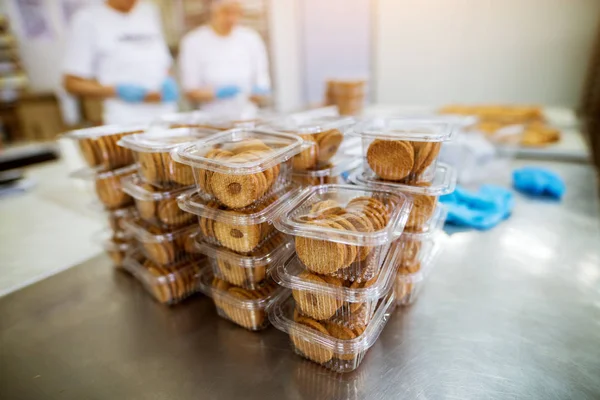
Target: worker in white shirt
(117, 52)
(223, 66)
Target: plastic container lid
(281, 147)
(310, 125)
(105, 130)
(206, 287)
(281, 316)
(133, 185)
(147, 234)
(100, 173)
(287, 274)
(431, 129)
(260, 257)
(195, 203)
(444, 182)
(291, 218)
(159, 140)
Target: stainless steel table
(509, 313)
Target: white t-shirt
(120, 48)
(208, 60)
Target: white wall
(524, 51)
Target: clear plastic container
(251, 270)
(157, 207)
(324, 134)
(201, 119)
(332, 300)
(239, 167)
(328, 173)
(108, 186)
(246, 308)
(163, 247)
(115, 244)
(152, 149)
(425, 195)
(240, 230)
(99, 145)
(116, 217)
(344, 231)
(168, 285)
(411, 279)
(405, 149)
(337, 348)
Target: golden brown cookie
(423, 208)
(391, 159)
(321, 256)
(425, 154)
(240, 238)
(169, 213)
(307, 158)
(88, 150)
(329, 143)
(110, 192)
(342, 333)
(163, 253)
(309, 349)
(314, 304)
(250, 145)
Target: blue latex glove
(480, 210)
(260, 91)
(131, 93)
(169, 92)
(225, 92)
(538, 182)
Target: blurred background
(410, 57)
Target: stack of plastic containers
(107, 163)
(164, 260)
(323, 134)
(243, 177)
(400, 154)
(342, 273)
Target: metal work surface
(509, 313)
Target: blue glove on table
(480, 210)
(225, 92)
(260, 91)
(538, 182)
(169, 92)
(131, 93)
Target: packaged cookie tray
(248, 270)
(151, 151)
(246, 308)
(326, 173)
(155, 206)
(323, 133)
(107, 185)
(404, 150)
(237, 168)
(332, 300)
(163, 247)
(99, 148)
(424, 196)
(168, 285)
(344, 231)
(335, 347)
(115, 244)
(240, 230)
(410, 281)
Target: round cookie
(343, 333)
(307, 159)
(169, 213)
(314, 304)
(309, 349)
(321, 256)
(235, 191)
(390, 159)
(329, 143)
(240, 238)
(162, 253)
(425, 154)
(180, 174)
(110, 193)
(150, 167)
(423, 207)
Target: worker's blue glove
(480, 210)
(226, 92)
(538, 182)
(169, 92)
(131, 93)
(260, 91)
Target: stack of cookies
(162, 230)
(107, 163)
(347, 95)
(343, 268)
(243, 178)
(317, 164)
(401, 156)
